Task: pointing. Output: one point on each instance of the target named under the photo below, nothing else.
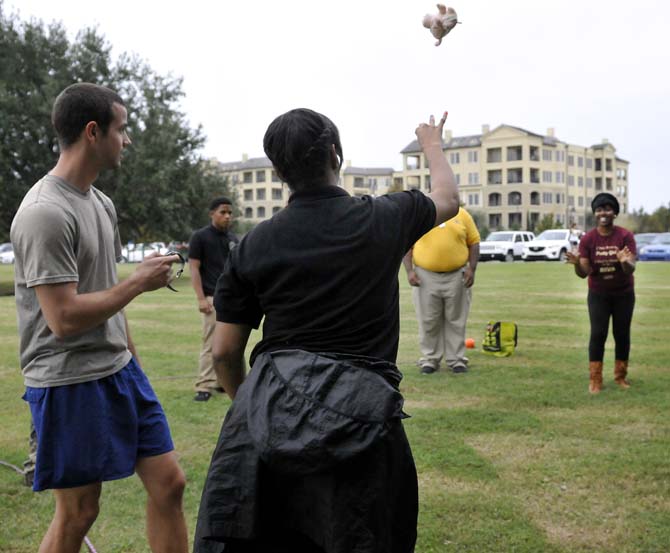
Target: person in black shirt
(312, 456)
(207, 253)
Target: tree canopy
(163, 186)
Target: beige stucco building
(516, 177)
(513, 176)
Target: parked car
(552, 244)
(6, 253)
(658, 250)
(135, 253)
(504, 245)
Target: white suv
(505, 245)
(552, 244)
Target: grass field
(512, 456)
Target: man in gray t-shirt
(95, 413)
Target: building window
(235, 178)
(580, 201)
(534, 198)
(276, 193)
(248, 213)
(514, 176)
(546, 176)
(473, 178)
(608, 164)
(473, 156)
(514, 153)
(546, 155)
(547, 197)
(560, 156)
(494, 155)
(535, 175)
(473, 199)
(458, 178)
(571, 180)
(589, 163)
(599, 164)
(514, 198)
(260, 212)
(608, 183)
(571, 201)
(560, 176)
(260, 193)
(495, 177)
(571, 160)
(412, 162)
(358, 182)
(247, 177)
(589, 182)
(495, 199)
(514, 221)
(274, 177)
(248, 195)
(560, 198)
(260, 176)
(494, 220)
(276, 209)
(426, 183)
(580, 161)
(454, 158)
(580, 182)
(534, 153)
(599, 183)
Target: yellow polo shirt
(445, 248)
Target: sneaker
(202, 396)
(459, 369)
(428, 369)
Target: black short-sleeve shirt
(211, 246)
(324, 272)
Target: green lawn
(512, 456)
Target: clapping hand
(624, 255)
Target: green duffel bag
(500, 338)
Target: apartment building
(260, 193)
(516, 177)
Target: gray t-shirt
(61, 234)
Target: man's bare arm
(228, 345)
(444, 191)
(69, 313)
(196, 282)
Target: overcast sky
(592, 69)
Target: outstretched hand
(572, 258)
(429, 134)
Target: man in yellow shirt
(441, 269)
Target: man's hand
(204, 306)
(468, 277)
(430, 135)
(154, 272)
(413, 278)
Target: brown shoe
(620, 372)
(595, 377)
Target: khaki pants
(207, 380)
(442, 304)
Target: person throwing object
(607, 256)
(312, 456)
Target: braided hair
(299, 145)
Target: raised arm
(69, 313)
(444, 191)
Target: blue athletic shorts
(96, 431)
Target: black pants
(601, 308)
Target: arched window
(260, 212)
(495, 199)
(248, 213)
(534, 198)
(514, 198)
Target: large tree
(163, 186)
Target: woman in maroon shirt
(607, 256)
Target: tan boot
(620, 372)
(596, 377)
